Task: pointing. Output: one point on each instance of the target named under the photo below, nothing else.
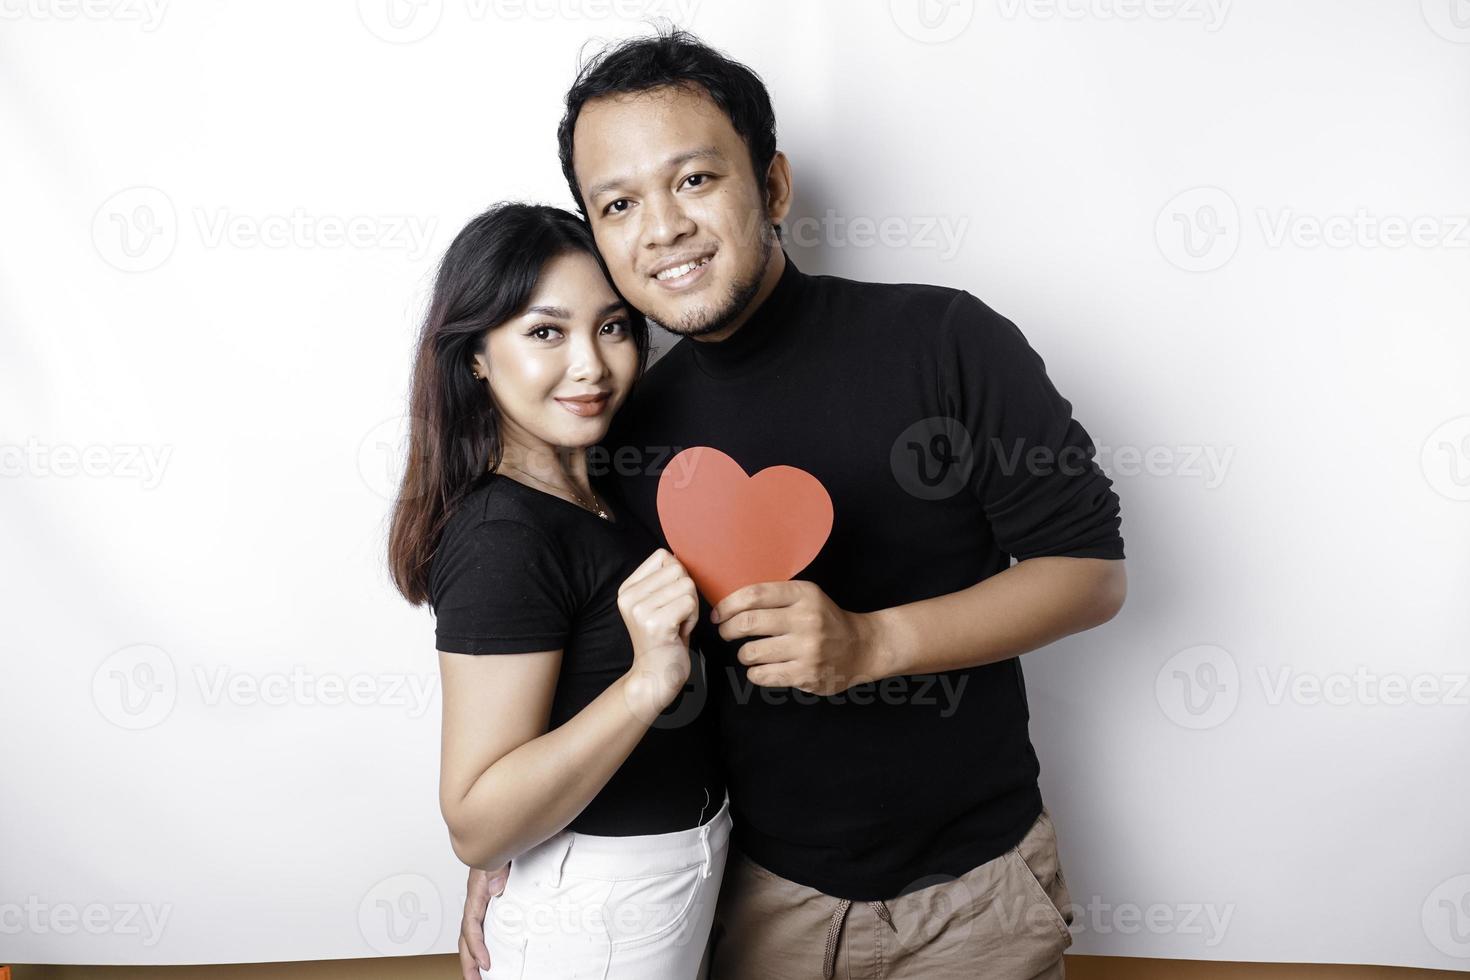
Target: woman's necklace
(594, 507)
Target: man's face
(675, 207)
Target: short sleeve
(1034, 471)
(500, 587)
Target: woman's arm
(506, 783)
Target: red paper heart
(731, 530)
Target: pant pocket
(1038, 870)
(647, 909)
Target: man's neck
(769, 278)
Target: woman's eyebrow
(673, 162)
(561, 313)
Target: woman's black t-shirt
(518, 570)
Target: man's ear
(778, 188)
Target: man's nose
(666, 221)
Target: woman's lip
(585, 407)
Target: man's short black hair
(673, 57)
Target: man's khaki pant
(1005, 920)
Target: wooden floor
(447, 968)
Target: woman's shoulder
(498, 498)
(495, 524)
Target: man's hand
(482, 885)
(807, 641)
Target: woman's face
(561, 368)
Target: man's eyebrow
(671, 163)
(561, 313)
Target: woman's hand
(660, 606)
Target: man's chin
(693, 324)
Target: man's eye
(616, 207)
(696, 180)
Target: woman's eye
(542, 332)
(618, 327)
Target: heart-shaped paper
(730, 529)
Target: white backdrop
(1236, 231)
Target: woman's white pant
(581, 907)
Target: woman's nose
(586, 361)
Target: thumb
(497, 880)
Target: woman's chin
(583, 436)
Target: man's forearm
(1027, 606)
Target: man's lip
(675, 263)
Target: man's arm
(1046, 501)
(1029, 605)
(804, 640)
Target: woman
(562, 627)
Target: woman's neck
(558, 468)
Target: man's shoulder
(923, 311)
(864, 291)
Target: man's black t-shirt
(946, 451)
(517, 571)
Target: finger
(656, 560)
(482, 885)
(762, 595)
(497, 879)
(771, 675)
(477, 896)
(666, 610)
(686, 628)
(473, 951)
(767, 651)
(468, 968)
(759, 622)
(650, 583)
(674, 592)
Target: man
(872, 714)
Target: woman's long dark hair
(485, 278)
